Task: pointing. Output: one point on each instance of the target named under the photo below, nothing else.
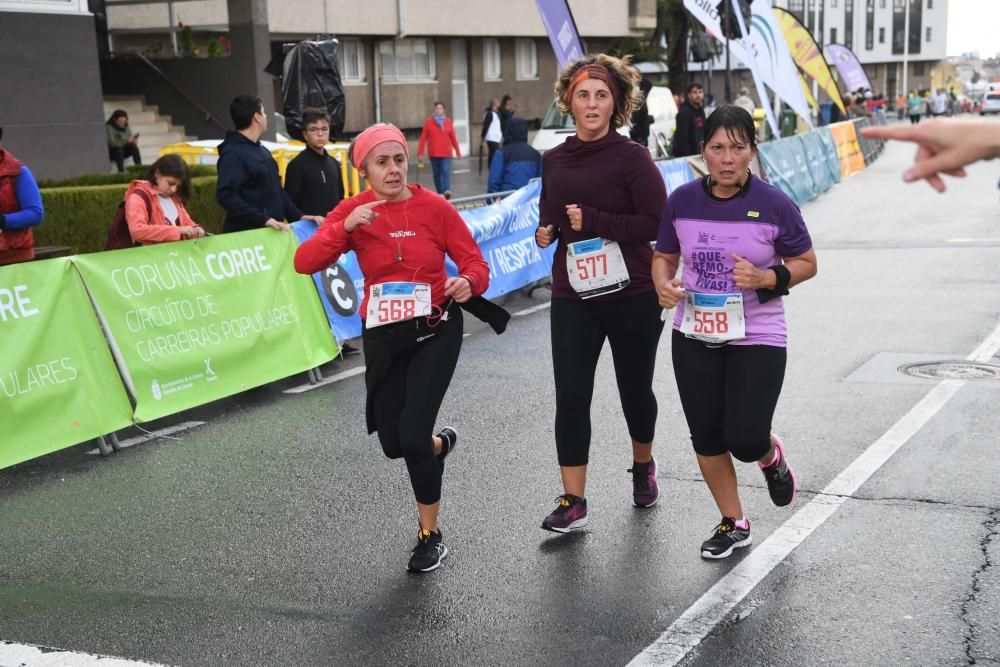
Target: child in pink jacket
(154, 206)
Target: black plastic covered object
(310, 77)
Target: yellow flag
(807, 55)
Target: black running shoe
(780, 478)
(449, 438)
(428, 553)
(726, 538)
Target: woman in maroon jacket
(439, 137)
(412, 324)
(602, 197)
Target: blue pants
(441, 166)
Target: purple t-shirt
(761, 224)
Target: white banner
(762, 50)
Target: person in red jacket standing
(412, 321)
(439, 137)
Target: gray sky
(973, 25)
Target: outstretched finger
(932, 165)
(904, 133)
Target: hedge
(131, 173)
(80, 216)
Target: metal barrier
(478, 201)
(207, 152)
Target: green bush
(131, 173)
(80, 216)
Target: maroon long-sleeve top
(621, 195)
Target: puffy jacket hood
(517, 130)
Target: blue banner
(340, 288)
(816, 159)
(505, 232)
(675, 172)
(829, 151)
(787, 168)
(561, 29)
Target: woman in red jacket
(439, 137)
(154, 206)
(412, 323)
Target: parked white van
(556, 125)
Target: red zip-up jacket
(439, 141)
(407, 242)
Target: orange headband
(592, 71)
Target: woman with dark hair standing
(602, 196)
(154, 206)
(412, 312)
(122, 142)
(744, 243)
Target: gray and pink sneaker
(570, 514)
(779, 476)
(645, 490)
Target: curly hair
(627, 78)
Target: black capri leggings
(408, 402)
(632, 326)
(729, 394)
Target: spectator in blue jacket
(20, 209)
(517, 162)
(249, 187)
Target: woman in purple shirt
(602, 196)
(744, 243)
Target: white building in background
(873, 29)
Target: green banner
(58, 383)
(195, 321)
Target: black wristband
(3, 221)
(782, 277)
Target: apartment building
(397, 57)
(876, 31)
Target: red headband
(592, 71)
(372, 137)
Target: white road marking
(714, 606)
(533, 309)
(152, 435)
(301, 389)
(461, 171)
(991, 239)
(27, 655)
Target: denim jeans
(441, 166)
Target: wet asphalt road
(276, 534)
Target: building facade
(51, 109)
(399, 57)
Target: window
(881, 35)
(918, 69)
(407, 60)
(526, 58)
(870, 25)
(491, 60)
(930, 4)
(833, 4)
(928, 38)
(352, 61)
(833, 34)
(881, 4)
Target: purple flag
(851, 71)
(559, 24)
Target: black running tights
(632, 327)
(407, 406)
(728, 394)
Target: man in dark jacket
(690, 130)
(249, 187)
(313, 179)
(516, 163)
(492, 133)
(641, 120)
